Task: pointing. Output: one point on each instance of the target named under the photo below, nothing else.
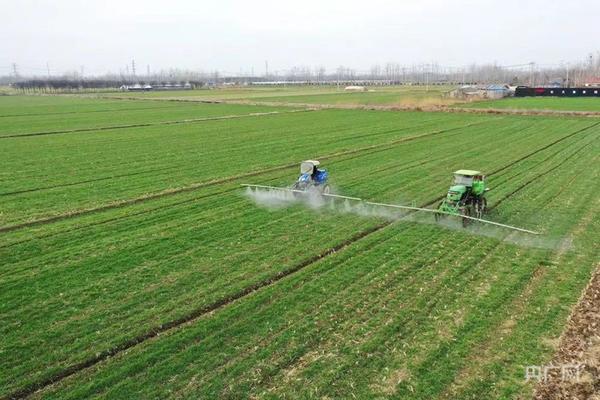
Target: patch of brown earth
(579, 345)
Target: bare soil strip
(426, 108)
(579, 345)
(407, 107)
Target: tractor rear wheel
(480, 207)
(467, 213)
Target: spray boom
(409, 208)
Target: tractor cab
(467, 177)
(466, 196)
(467, 181)
(308, 166)
(312, 176)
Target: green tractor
(466, 196)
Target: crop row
(408, 311)
(117, 279)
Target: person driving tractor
(317, 174)
(312, 176)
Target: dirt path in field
(396, 107)
(427, 108)
(579, 345)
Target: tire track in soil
(523, 185)
(159, 123)
(63, 185)
(173, 191)
(200, 312)
(154, 332)
(86, 112)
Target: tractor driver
(314, 174)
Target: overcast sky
(232, 35)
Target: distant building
(592, 82)
(137, 87)
(495, 91)
(469, 92)
(355, 89)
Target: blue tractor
(312, 178)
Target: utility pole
(148, 70)
(531, 81)
(266, 69)
(15, 70)
(48, 68)
(133, 67)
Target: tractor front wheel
(438, 216)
